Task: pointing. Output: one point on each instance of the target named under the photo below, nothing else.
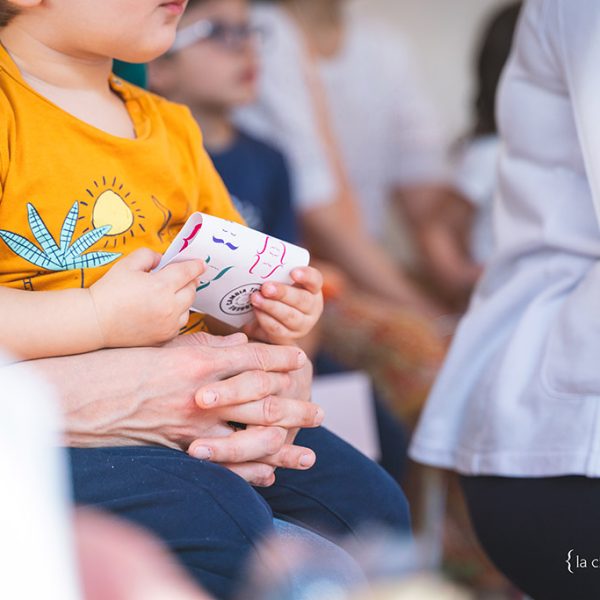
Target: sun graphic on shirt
(111, 204)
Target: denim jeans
(212, 519)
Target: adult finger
(292, 457)
(258, 357)
(178, 275)
(255, 473)
(241, 446)
(245, 387)
(289, 457)
(275, 411)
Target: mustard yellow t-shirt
(74, 199)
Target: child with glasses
(213, 68)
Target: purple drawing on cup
(226, 239)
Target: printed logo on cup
(237, 301)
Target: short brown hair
(7, 12)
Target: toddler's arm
(129, 306)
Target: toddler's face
(219, 70)
(130, 30)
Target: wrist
(98, 327)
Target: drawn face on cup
(269, 258)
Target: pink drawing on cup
(269, 259)
(190, 238)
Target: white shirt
(387, 131)
(384, 125)
(520, 392)
(476, 178)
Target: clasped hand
(265, 387)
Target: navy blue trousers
(212, 519)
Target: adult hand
(148, 396)
(440, 221)
(244, 452)
(453, 273)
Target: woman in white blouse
(516, 409)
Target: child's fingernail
(269, 289)
(301, 359)
(202, 453)
(297, 274)
(306, 460)
(209, 398)
(256, 299)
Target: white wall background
(444, 35)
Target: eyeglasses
(230, 37)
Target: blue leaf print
(42, 235)
(87, 240)
(91, 260)
(68, 228)
(50, 256)
(31, 253)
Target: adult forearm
(440, 221)
(99, 392)
(364, 262)
(150, 395)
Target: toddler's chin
(147, 52)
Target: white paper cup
(239, 261)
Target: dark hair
(7, 12)
(494, 50)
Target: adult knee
(386, 502)
(208, 516)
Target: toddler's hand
(285, 313)
(135, 307)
